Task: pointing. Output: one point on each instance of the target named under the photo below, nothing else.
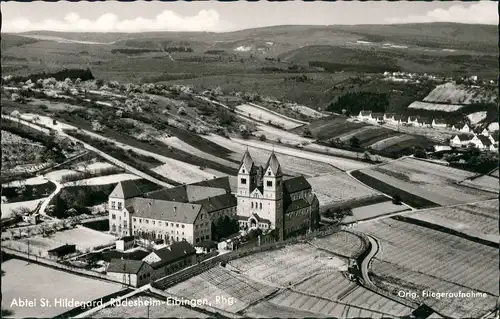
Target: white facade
(465, 129)
(267, 204)
(122, 245)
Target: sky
(141, 16)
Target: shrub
(262, 138)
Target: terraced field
(217, 282)
(338, 187)
(460, 94)
(431, 252)
(341, 243)
(395, 278)
(433, 182)
(333, 309)
(333, 286)
(478, 220)
(288, 265)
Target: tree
(245, 134)
(262, 137)
(307, 133)
(354, 142)
(366, 156)
(396, 200)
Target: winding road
(365, 264)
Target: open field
(291, 165)
(33, 282)
(431, 252)
(338, 187)
(331, 127)
(333, 309)
(261, 114)
(341, 243)
(331, 285)
(337, 162)
(217, 283)
(184, 173)
(84, 238)
(103, 180)
(7, 208)
(435, 106)
(275, 134)
(177, 143)
(38, 180)
(394, 278)
(485, 182)
(461, 94)
(288, 265)
(386, 143)
(432, 182)
(374, 210)
(157, 309)
(479, 220)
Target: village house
(130, 272)
(485, 132)
(389, 117)
(376, 117)
(364, 115)
(439, 123)
(173, 258)
(424, 122)
(461, 140)
(413, 120)
(481, 142)
(465, 129)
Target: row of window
(207, 237)
(114, 206)
(148, 235)
(144, 276)
(300, 212)
(260, 206)
(160, 223)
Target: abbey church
(263, 197)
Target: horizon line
(263, 27)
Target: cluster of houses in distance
(481, 139)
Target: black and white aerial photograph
(234, 159)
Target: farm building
(170, 259)
(205, 247)
(365, 115)
(439, 123)
(125, 243)
(133, 273)
(461, 140)
(33, 219)
(185, 213)
(61, 251)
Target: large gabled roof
(296, 184)
(127, 266)
(185, 213)
(274, 164)
(220, 182)
(174, 252)
(296, 205)
(186, 193)
(213, 204)
(125, 189)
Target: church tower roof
(247, 161)
(274, 164)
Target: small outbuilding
(62, 251)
